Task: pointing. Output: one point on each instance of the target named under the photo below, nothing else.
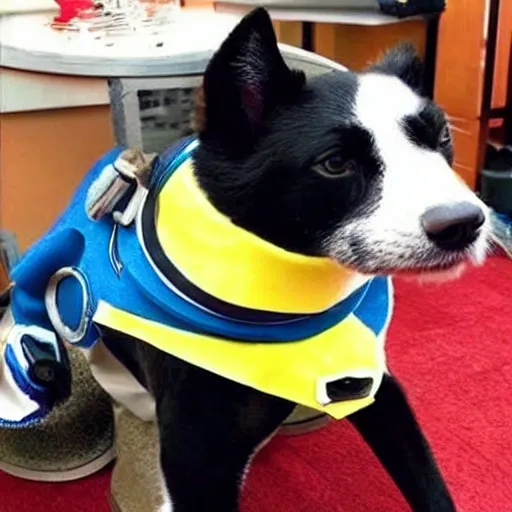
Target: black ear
(404, 62)
(243, 82)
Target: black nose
(453, 227)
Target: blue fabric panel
(374, 311)
(69, 302)
(63, 245)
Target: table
(55, 103)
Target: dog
(345, 170)
(352, 167)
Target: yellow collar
(236, 266)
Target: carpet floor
(451, 346)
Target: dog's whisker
(457, 129)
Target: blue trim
(169, 160)
(32, 419)
(375, 311)
(92, 334)
(33, 391)
(155, 301)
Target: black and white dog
(355, 167)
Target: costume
(142, 251)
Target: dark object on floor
(496, 179)
(498, 159)
(405, 8)
(496, 190)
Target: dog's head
(356, 167)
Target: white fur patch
(415, 179)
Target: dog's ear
(245, 79)
(404, 62)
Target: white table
(29, 43)
(71, 71)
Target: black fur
(430, 129)
(244, 81)
(269, 167)
(403, 62)
(254, 170)
(300, 204)
(391, 430)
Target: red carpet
(451, 346)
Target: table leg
(308, 36)
(431, 54)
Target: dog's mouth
(432, 267)
(405, 255)
(432, 273)
(423, 272)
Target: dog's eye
(445, 137)
(336, 165)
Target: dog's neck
(234, 265)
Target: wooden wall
(357, 46)
(44, 156)
(503, 55)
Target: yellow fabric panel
(239, 267)
(288, 370)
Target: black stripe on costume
(189, 289)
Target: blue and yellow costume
(182, 277)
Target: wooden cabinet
(356, 46)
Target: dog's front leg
(391, 430)
(209, 429)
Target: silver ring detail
(50, 300)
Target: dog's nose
(453, 227)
